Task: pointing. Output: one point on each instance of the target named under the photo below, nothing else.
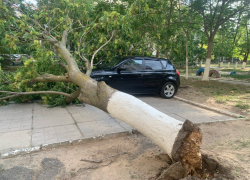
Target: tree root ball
(212, 169)
(186, 148)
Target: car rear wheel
(168, 90)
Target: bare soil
(225, 148)
(226, 144)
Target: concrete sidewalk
(33, 125)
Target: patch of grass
(222, 92)
(236, 70)
(237, 76)
(243, 143)
(236, 171)
(239, 143)
(220, 99)
(190, 70)
(242, 105)
(72, 174)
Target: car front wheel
(168, 90)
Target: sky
(31, 1)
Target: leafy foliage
(101, 31)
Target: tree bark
(221, 62)
(245, 60)
(243, 65)
(166, 54)
(236, 64)
(208, 60)
(186, 56)
(157, 54)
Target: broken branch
(30, 93)
(49, 78)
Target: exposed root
(212, 169)
(175, 171)
(186, 148)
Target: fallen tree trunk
(181, 141)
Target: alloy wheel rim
(169, 90)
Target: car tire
(168, 90)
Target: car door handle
(110, 76)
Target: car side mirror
(121, 68)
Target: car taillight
(177, 72)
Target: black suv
(141, 75)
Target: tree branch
(93, 56)
(57, 25)
(64, 66)
(64, 38)
(6, 79)
(16, 94)
(73, 96)
(231, 15)
(49, 78)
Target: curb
(210, 108)
(222, 121)
(29, 150)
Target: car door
(153, 76)
(128, 77)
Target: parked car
(20, 58)
(141, 75)
(13, 59)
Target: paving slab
(15, 140)
(182, 111)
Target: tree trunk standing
(201, 61)
(208, 60)
(245, 60)
(236, 64)
(186, 56)
(243, 65)
(229, 61)
(166, 54)
(221, 62)
(157, 54)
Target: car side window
(153, 65)
(132, 65)
(164, 63)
